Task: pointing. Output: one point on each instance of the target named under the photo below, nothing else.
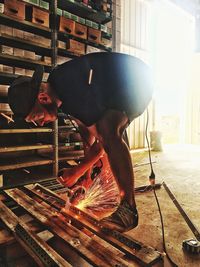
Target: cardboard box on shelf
(61, 44)
(75, 47)
(37, 15)
(14, 9)
(67, 25)
(80, 31)
(18, 33)
(61, 60)
(6, 30)
(38, 57)
(6, 50)
(4, 107)
(29, 36)
(106, 42)
(47, 59)
(18, 52)
(19, 71)
(92, 49)
(29, 55)
(29, 72)
(94, 35)
(40, 17)
(40, 40)
(8, 69)
(3, 90)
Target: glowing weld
(102, 198)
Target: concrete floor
(179, 167)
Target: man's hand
(68, 177)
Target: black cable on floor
(152, 182)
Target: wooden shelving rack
(51, 158)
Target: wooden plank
(5, 237)
(33, 130)
(24, 162)
(74, 155)
(83, 244)
(145, 255)
(23, 148)
(14, 224)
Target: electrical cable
(152, 182)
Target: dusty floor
(179, 168)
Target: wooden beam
(145, 255)
(87, 248)
(36, 245)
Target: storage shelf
(23, 162)
(106, 35)
(25, 25)
(33, 130)
(21, 170)
(81, 10)
(24, 44)
(63, 36)
(7, 78)
(16, 178)
(20, 62)
(73, 156)
(64, 53)
(24, 148)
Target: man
(105, 92)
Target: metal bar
(84, 245)
(33, 130)
(191, 225)
(23, 148)
(39, 250)
(54, 50)
(146, 256)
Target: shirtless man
(105, 92)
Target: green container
(81, 20)
(34, 2)
(74, 17)
(88, 23)
(44, 4)
(59, 11)
(66, 14)
(95, 25)
(104, 28)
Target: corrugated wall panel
(193, 103)
(135, 41)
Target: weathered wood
(33, 130)
(24, 162)
(145, 255)
(19, 229)
(83, 244)
(23, 148)
(6, 237)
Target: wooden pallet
(77, 239)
